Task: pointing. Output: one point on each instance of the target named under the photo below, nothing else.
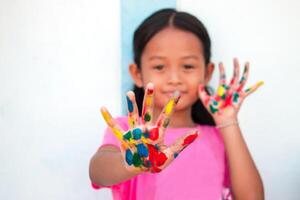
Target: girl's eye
(158, 67)
(188, 66)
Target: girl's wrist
(228, 123)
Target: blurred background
(60, 61)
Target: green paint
(147, 117)
(235, 97)
(127, 135)
(137, 161)
(226, 87)
(248, 90)
(212, 109)
(166, 122)
(242, 79)
(223, 96)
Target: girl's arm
(224, 107)
(107, 167)
(246, 182)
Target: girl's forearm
(107, 167)
(245, 179)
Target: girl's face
(173, 60)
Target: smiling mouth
(171, 93)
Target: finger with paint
(222, 75)
(133, 113)
(165, 116)
(236, 73)
(244, 78)
(181, 143)
(111, 122)
(253, 88)
(147, 112)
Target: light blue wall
(133, 12)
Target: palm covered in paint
(227, 101)
(142, 146)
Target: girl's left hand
(225, 104)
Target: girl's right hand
(142, 146)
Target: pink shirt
(199, 171)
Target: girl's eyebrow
(156, 57)
(183, 57)
(191, 56)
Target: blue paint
(175, 155)
(146, 135)
(129, 157)
(215, 103)
(129, 104)
(137, 133)
(142, 150)
(147, 163)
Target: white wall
(267, 34)
(59, 62)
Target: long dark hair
(181, 20)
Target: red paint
(159, 122)
(153, 133)
(156, 158)
(231, 82)
(155, 169)
(240, 88)
(150, 91)
(143, 111)
(161, 159)
(227, 101)
(189, 139)
(218, 98)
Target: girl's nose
(174, 77)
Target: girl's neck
(179, 119)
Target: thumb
(205, 98)
(183, 142)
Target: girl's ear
(208, 72)
(136, 75)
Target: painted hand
(142, 146)
(227, 101)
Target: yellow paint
(131, 122)
(144, 140)
(260, 83)
(221, 90)
(169, 107)
(106, 116)
(148, 101)
(117, 133)
(132, 141)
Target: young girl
(178, 141)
